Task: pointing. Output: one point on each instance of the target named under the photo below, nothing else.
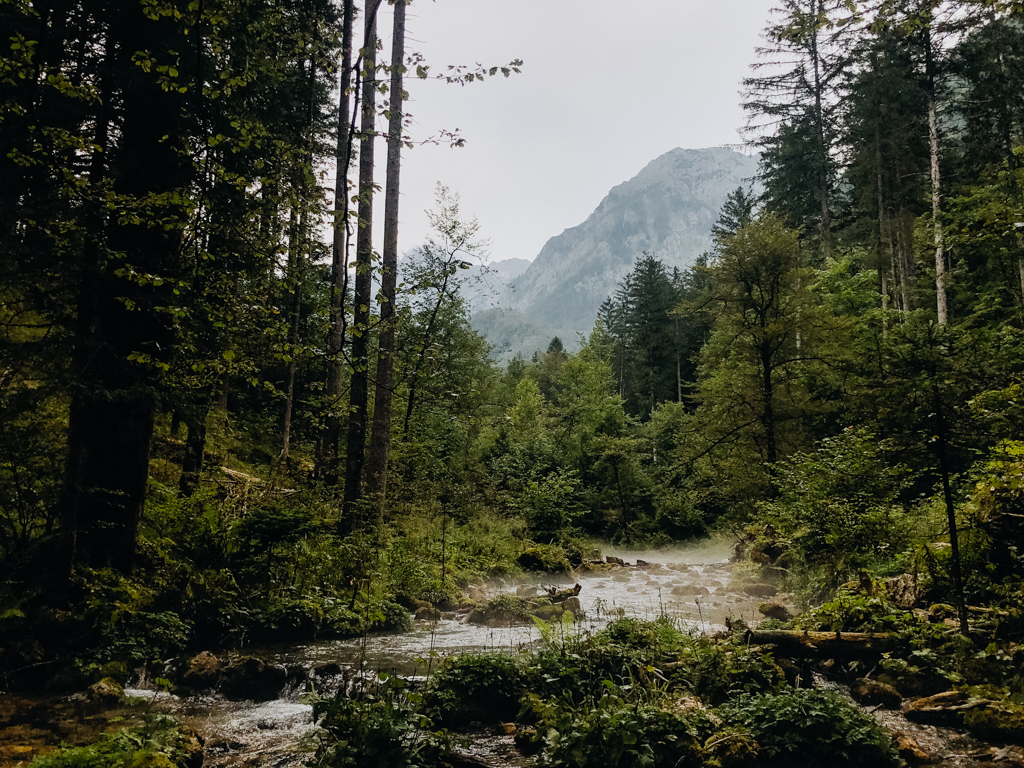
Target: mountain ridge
(667, 209)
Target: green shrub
(856, 613)
(799, 728)
(483, 686)
(616, 732)
(157, 744)
(384, 731)
(720, 672)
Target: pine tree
(793, 108)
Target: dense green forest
(228, 415)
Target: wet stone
(250, 678)
(106, 693)
(871, 692)
(760, 590)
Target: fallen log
(805, 643)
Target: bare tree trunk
(819, 116)
(933, 148)
(359, 389)
(195, 448)
(380, 439)
(956, 570)
(295, 264)
(328, 469)
(940, 256)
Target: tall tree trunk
(886, 252)
(908, 269)
(956, 570)
(359, 389)
(819, 116)
(195, 448)
(295, 267)
(380, 439)
(112, 413)
(328, 469)
(933, 151)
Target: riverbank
(648, 636)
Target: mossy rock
(151, 760)
(999, 721)
(106, 693)
(545, 558)
(548, 612)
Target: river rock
(871, 692)
(573, 605)
(774, 611)
(202, 671)
(106, 693)
(614, 560)
(253, 679)
(911, 751)
(760, 590)
(427, 613)
(690, 590)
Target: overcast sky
(606, 87)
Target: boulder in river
(253, 679)
(911, 751)
(202, 671)
(107, 693)
(427, 613)
(573, 605)
(614, 560)
(871, 692)
(760, 590)
(775, 611)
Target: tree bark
(195, 448)
(112, 412)
(819, 116)
(359, 389)
(947, 495)
(380, 439)
(339, 260)
(933, 151)
(295, 266)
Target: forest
(230, 418)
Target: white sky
(606, 86)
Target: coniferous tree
(793, 109)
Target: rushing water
(694, 586)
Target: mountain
(483, 284)
(667, 209)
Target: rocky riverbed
(251, 707)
